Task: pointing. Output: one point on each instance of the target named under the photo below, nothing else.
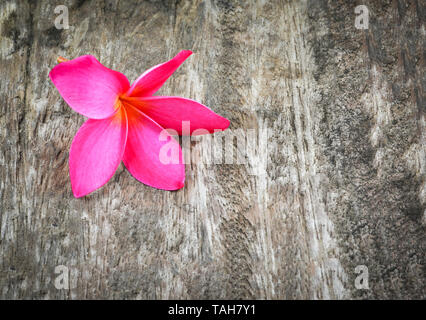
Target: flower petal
(152, 156)
(151, 80)
(171, 112)
(96, 152)
(89, 87)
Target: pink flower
(127, 123)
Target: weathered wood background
(344, 172)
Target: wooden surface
(342, 182)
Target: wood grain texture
(341, 184)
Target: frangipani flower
(126, 122)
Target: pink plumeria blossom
(126, 122)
